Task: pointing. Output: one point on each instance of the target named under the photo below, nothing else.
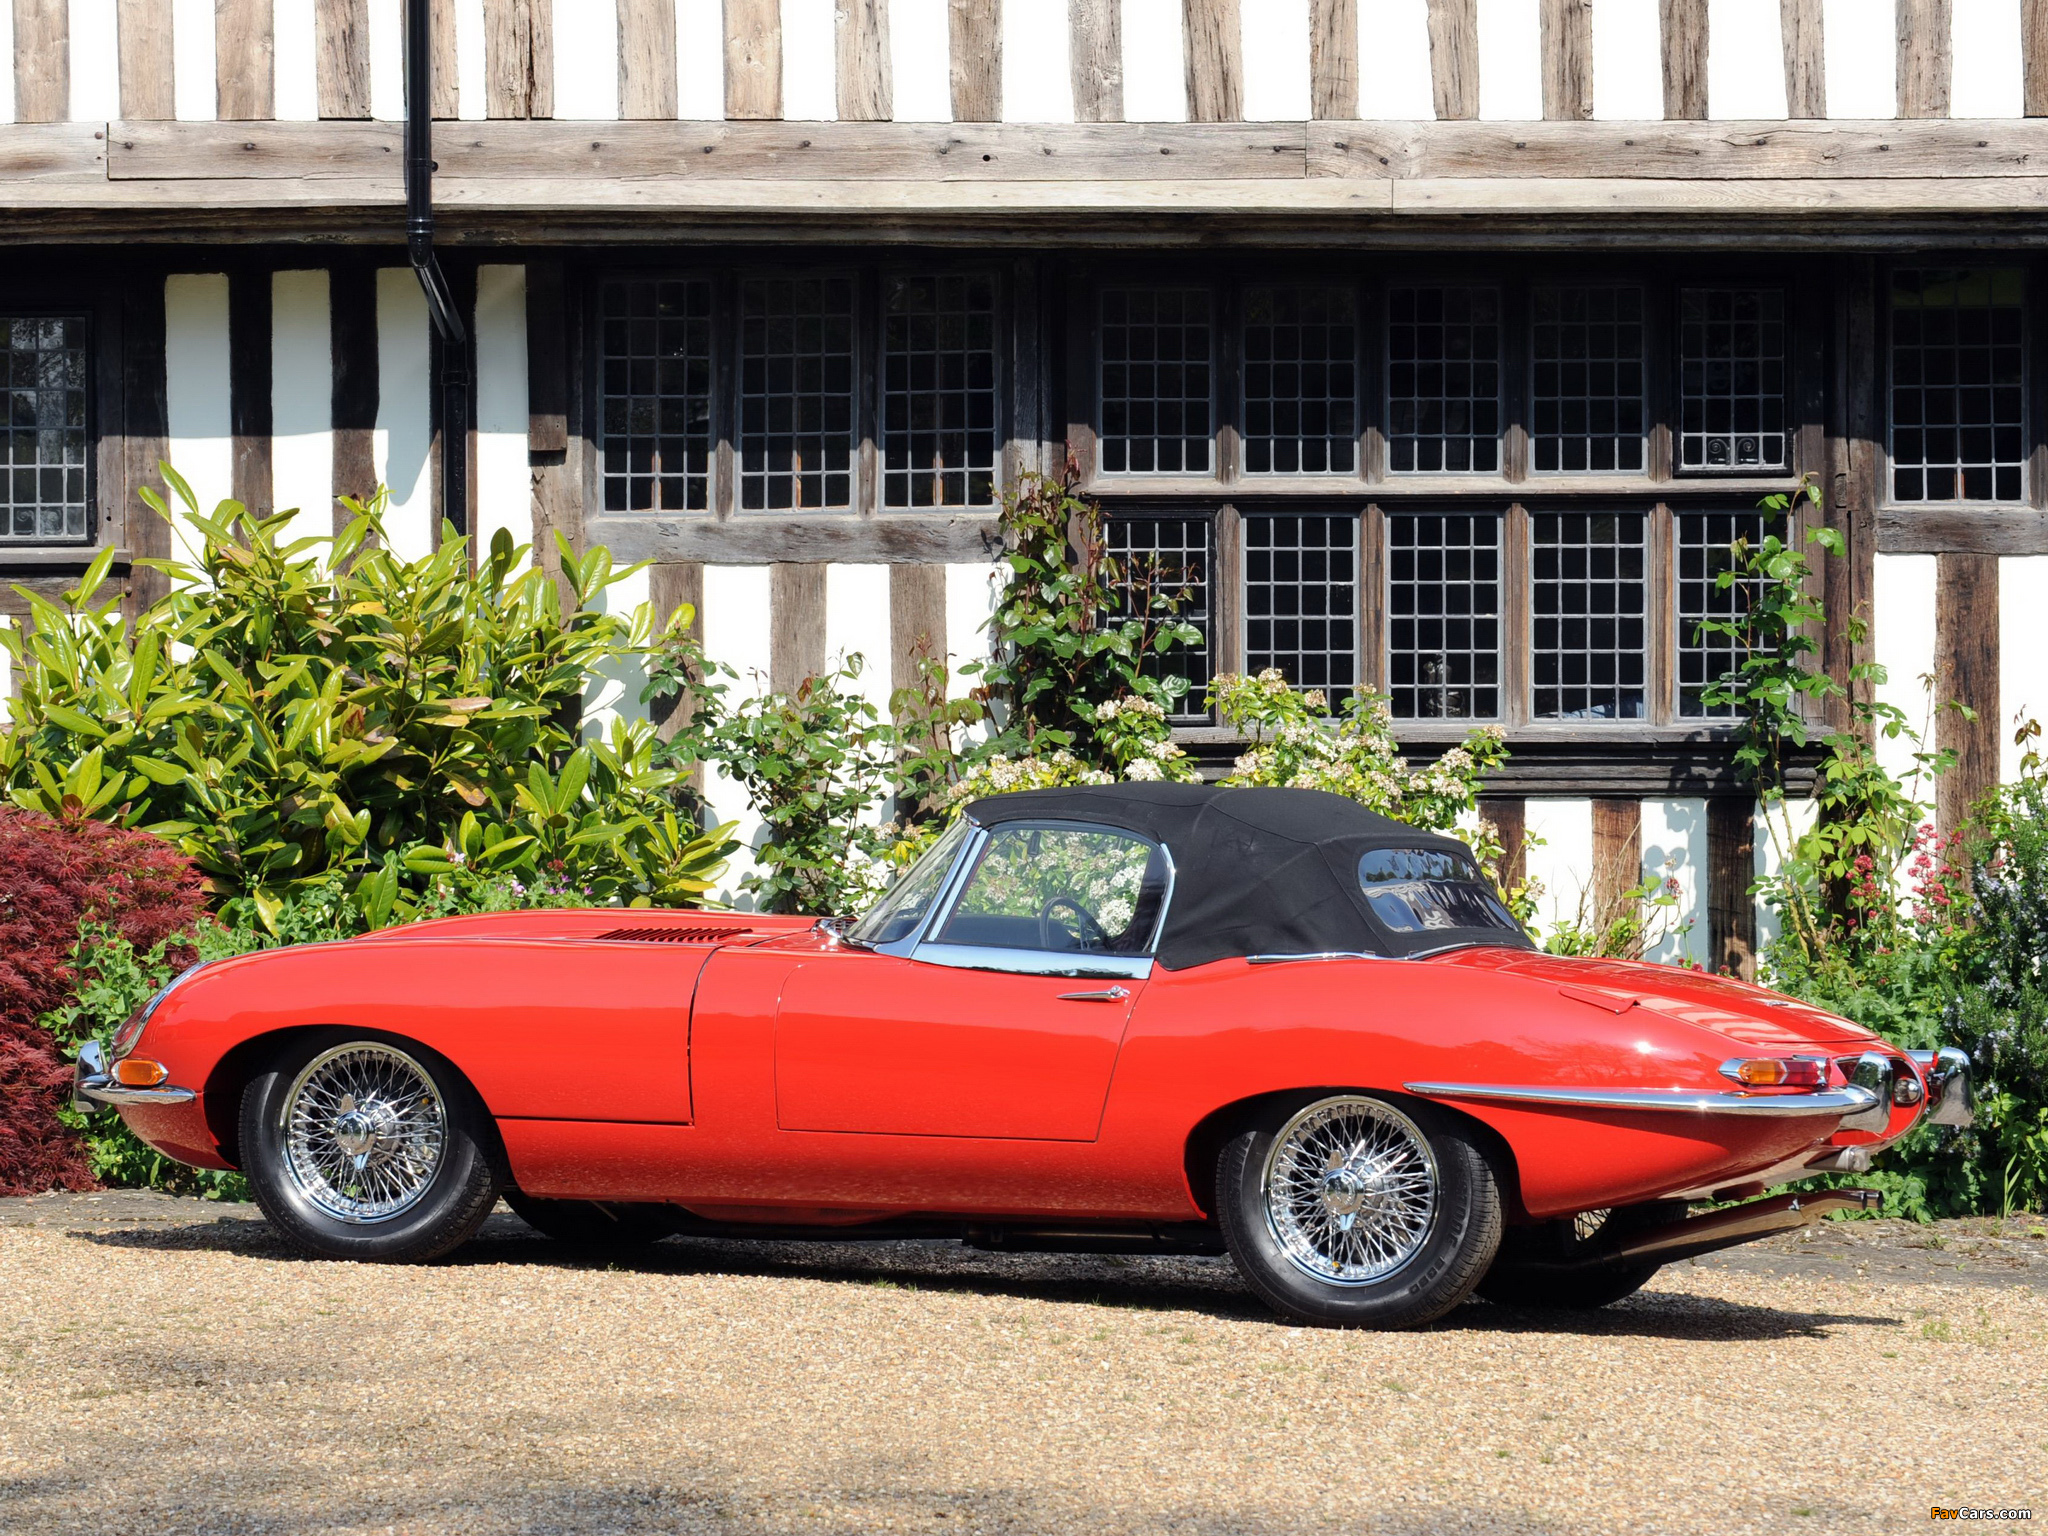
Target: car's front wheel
(1352, 1211)
(367, 1148)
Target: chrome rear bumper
(92, 1085)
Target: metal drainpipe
(419, 244)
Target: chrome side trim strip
(1034, 962)
(1833, 1102)
(1322, 954)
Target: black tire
(425, 1137)
(593, 1223)
(1524, 1275)
(1432, 1262)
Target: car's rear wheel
(594, 1223)
(1352, 1211)
(362, 1147)
(1535, 1267)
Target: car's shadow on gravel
(1149, 1284)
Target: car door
(1002, 1017)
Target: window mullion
(725, 407)
(1516, 622)
(1226, 400)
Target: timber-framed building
(1448, 342)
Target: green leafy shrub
(300, 713)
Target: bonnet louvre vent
(672, 935)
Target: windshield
(1415, 890)
(903, 907)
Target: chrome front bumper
(93, 1086)
(1951, 1088)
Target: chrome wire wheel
(364, 1132)
(1350, 1190)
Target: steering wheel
(1087, 918)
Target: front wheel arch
(233, 1073)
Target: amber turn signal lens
(1777, 1072)
(134, 1072)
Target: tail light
(1777, 1071)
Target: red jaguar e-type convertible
(1141, 1018)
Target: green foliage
(306, 713)
(1627, 928)
(816, 763)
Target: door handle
(1110, 995)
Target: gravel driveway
(169, 1368)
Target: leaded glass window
(1586, 405)
(1301, 599)
(1168, 555)
(657, 396)
(1157, 366)
(1707, 547)
(1443, 615)
(1588, 594)
(1958, 386)
(48, 454)
(1300, 381)
(1443, 380)
(796, 393)
(939, 421)
(1731, 379)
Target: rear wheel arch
(1213, 1130)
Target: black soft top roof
(1257, 871)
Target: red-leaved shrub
(55, 875)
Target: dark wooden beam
(249, 384)
(1333, 58)
(143, 30)
(1567, 43)
(1851, 492)
(1966, 671)
(1214, 58)
(1617, 856)
(352, 336)
(1806, 81)
(1096, 57)
(671, 588)
(1731, 870)
(341, 29)
(796, 624)
(2034, 55)
(146, 423)
(1454, 57)
(974, 30)
(519, 59)
(548, 382)
(1685, 58)
(1510, 817)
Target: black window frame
(100, 389)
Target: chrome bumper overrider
(1839, 1103)
(92, 1085)
(1951, 1090)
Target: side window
(1063, 889)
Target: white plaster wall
(387, 60)
(1560, 859)
(302, 400)
(1038, 63)
(402, 445)
(1510, 61)
(1274, 48)
(201, 443)
(857, 623)
(1155, 62)
(1628, 61)
(95, 62)
(1862, 50)
(1393, 61)
(1675, 849)
(1745, 60)
(471, 93)
(504, 491)
(613, 691)
(195, 93)
(700, 60)
(810, 90)
(1775, 829)
(920, 61)
(1902, 635)
(1987, 76)
(2022, 653)
(297, 62)
(735, 626)
(587, 63)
